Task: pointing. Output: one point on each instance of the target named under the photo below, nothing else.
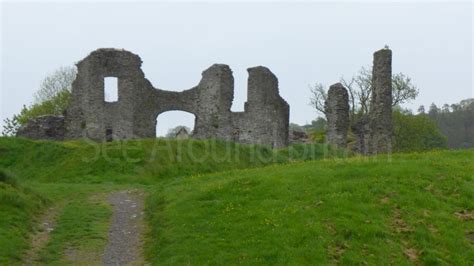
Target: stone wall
(265, 119)
(48, 127)
(373, 132)
(337, 115)
(381, 103)
(361, 133)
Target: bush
(416, 133)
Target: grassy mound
(18, 207)
(412, 208)
(139, 161)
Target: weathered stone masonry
(337, 114)
(265, 119)
(49, 127)
(381, 103)
(373, 132)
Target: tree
(52, 98)
(402, 89)
(421, 109)
(359, 88)
(456, 121)
(415, 132)
(171, 134)
(319, 124)
(318, 97)
(360, 91)
(433, 111)
(11, 125)
(55, 83)
(446, 108)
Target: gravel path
(125, 233)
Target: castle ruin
(265, 120)
(373, 132)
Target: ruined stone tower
(337, 115)
(373, 132)
(381, 103)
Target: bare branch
(318, 97)
(352, 93)
(360, 90)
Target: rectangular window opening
(110, 89)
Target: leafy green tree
(10, 126)
(54, 84)
(52, 98)
(319, 124)
(415, 132)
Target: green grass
(81, 233)
(82, 221)
(18, 208)
(351, 211)
(138, 161)
(61, 173)
(215, 202)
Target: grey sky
(301, 43)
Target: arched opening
(175, 124)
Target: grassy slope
(414, 208)
(63, 174)
(328, 211)
(81, 227)
(82, 223)
(140, 161)
(18, 207)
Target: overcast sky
(302, 43)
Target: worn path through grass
(42, 234)
(89, 227)
(124, 245)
